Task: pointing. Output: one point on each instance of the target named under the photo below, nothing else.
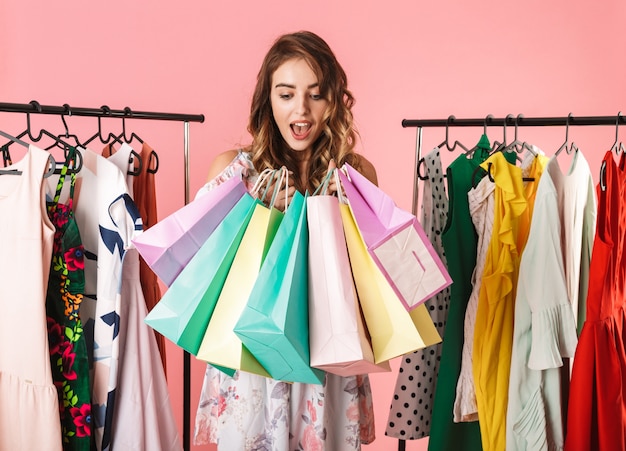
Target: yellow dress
(496, 304)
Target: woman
(300, 118)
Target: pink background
(404, 59)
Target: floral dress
(68, 349)
(250, 412)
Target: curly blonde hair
(338, 138)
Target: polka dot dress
(411, 406)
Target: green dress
(459, 243)
(68, 350)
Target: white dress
(545, 313)
(248, 412)
(99, 185)
(481, 204)
(143, 418)
(29, 409)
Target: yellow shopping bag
(220, 346)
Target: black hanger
(421, 162)
(134, 158)
(618, 147)
(154, 170)
(107, 111)
(490, 164)
(61, 140)
(517, 145)
(58, 141)
(503, 146)
(446, 143)
(22, 134)
(566, 145)
(77, 162)
(496, 145)
(14, 139)
(121, 138)
(6, 156)
(128, 112)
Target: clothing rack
(126, 113)
(509, 120)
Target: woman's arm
(220, 163)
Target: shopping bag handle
(323, 187)
(261, 179)
(283, 177)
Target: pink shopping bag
(170, 244)
(338, 338)
(395, 240)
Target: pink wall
(404, 59)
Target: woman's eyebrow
(287, 85)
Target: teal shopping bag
(274, 325)
(184, 311)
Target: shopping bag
(339, 341)
(220, 345)
(274, 325)
(396, 241)
(184, 311)
(394, 331)
(169, 244)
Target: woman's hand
(284, 189)
(334, 181)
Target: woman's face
(297, 106)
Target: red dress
(596, 405)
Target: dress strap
(70, 162)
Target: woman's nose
(302, 104)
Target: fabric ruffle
(531, 425)
(553, 337)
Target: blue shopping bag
(184, 311)
(274, 325)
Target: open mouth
(300, 130)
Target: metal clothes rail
(35, 107)
(509, 120)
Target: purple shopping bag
(395, 240)
(170, 244)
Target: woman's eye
(285, 96)
(316, 97)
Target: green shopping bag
(184, 311)
(274, 325)
(220, 345)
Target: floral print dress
(68, 349)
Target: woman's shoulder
(367, 169)
(227, 165)
(226, 160)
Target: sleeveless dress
(29, 410)
(249, 412)
(595, 416)
(459, 239)
(101, 185)
(68, 348)
(411, 407)
(143, 418)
